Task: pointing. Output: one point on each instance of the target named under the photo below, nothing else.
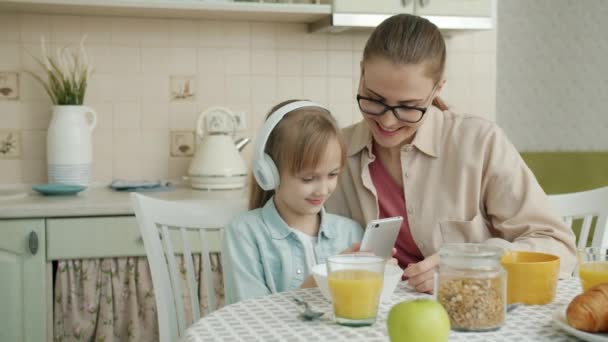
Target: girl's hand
(420, 275)
(309, 282)
(352, 249)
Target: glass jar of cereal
(472, 286)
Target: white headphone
(265, 170)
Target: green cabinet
(23, 311)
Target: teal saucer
(58, 189)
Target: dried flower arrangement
(68, 73)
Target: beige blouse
(463, 181)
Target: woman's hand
(420, 275)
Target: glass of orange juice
(592, 266)
(355, 283)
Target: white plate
(560, 321)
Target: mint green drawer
(105, 237)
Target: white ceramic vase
(70, 145)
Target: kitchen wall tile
(182, 60)
(35, 26)
(101, 57)
(10, 116)
(33, 144)
(97, 29)
(359, 40)
(341, 41)
(289, 88)
(211, 61)
(182, 116)
(127, 144)
(155, 32)
(210, 34)
(30, 89)
(237, 61)
(127, 87)
(265, 89)
(126, 31)
(263, 62)
(263, 35)
(155, 169)
(343, 113)
(315, 89)
(484, 41)
(290, 36)
(212, 90)
(9, 27)
(35, 114)
(357, 56)
(155, 144)
(235, 34)
(459, 42)
(178, 167)
(155, 60)
(183, 33)
(105, 114)
(102, 171)
(314, 63)
(127, 115)
(340, 63)
(458, 65)
(313, 41)
(155, 115)
(340, 90)
(127, 168)
(103, 144)
(154, 87)
(10, 57)
(29, 53)
(124, 59)
(484, 65)
(10, 171)
(238, 89)
(289, 62)
(66, 29)
(100, 88)
(34, 171)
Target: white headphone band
(274, 119)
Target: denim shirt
(261, 255)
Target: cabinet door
(465, 8)
(22, 281)
(373, 6)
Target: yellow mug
(531, 277)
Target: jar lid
(471, 255)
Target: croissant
(589, 310)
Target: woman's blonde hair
(409, 39)
(298, 142)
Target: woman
(454, 178)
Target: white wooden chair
(165, 223)
(586, 205)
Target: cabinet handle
(424, 3)
(33, 243)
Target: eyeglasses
(410, 114)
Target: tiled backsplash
(245, 66)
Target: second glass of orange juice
(592, 266)
(355, 283)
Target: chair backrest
(585, 205)
(167, 228)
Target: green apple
(418, 320)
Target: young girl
(273, 247)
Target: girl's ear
(439, 87)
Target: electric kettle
(217, 163)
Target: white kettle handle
(93, 122)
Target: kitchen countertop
(94, 201)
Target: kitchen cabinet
(216, 10)
(460, 8)
(23, 279)
(373, 7)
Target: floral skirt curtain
(113, 299)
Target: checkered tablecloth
(275, 318)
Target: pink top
(391, 202)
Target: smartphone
(380, 236)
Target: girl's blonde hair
(298, 142)
(409, 39)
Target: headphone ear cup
(266, 173)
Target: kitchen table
(275, 318)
